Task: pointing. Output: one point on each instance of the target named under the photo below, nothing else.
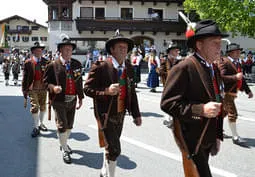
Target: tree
(236, 16)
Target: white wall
(41, 32)
(245, 42)
(112, 9)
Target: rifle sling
(52, 98)
(201, 72)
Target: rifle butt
(189, 167)
(101, 138)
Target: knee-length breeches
(37, 100)
(112, 135)
(230, 107)
(64, 114)
(201, 161)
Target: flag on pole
(2, 43)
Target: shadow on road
(151, 114)
(95, 160)
(18, 150)
(74, 135)
(125, 163)
(250, 142)
(89, 159)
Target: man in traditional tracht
(16, 70)
(172, 54)
(192, 96)
(111, 85)
(234, 81)
(249, 63)
(33, 86)
(63, 79)
(6, 68)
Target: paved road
(147, 151)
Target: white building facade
(91, 23)
(20, 33)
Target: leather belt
(69, 98)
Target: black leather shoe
(43, 128)
(35, 132)
(239, 141)
(70, 151)
(66, 157)
(168, 123)
(153, 90)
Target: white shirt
(63, 61)
(206, 63)
(232, 59)
(116, 65)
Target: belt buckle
(69, 98)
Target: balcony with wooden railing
(19, 31)
(168, 2)
(132, 25)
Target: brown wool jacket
(184, 88)
(101, 76)
(29, 72)
(228, 73)
(50, 78)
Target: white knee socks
(36, 120)
(232, 126)
(63, 140)
(41, 116)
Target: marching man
(33, 86)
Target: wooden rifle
(190, 169)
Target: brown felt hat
(203, 29)
(65, 40)
(118, 38)
(37, 45)
(232, 47)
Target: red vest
(239, 82)
(70, 84)
(123, 91)
(37, 69)
(122, 82)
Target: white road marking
(173, 156)
(239, 117)
(246, 119)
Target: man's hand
(57, 89)
(79, 104)
(239, 76)
(211, 109)
(250, 95)
(138, 121)
(114, 89)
